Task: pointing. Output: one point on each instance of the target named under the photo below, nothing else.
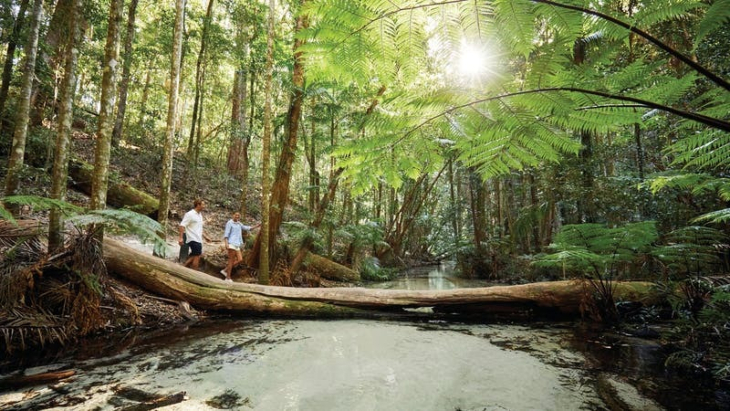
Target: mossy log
(329, 269)
(211, 293)
(119, 193)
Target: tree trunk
(203, 291)
(169, 146)
(238, 138)
(126, 74)
(10, 56)
(454, 209)
(280, 187)
(260, 252)
(17, 152)
(199, 75)
(63, 135)
(319, 217)
(476, 191)
(102, 152)
(145, 95)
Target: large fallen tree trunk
(119, 194)
(211, 293)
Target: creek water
(255, 364)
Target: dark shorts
(195, 248)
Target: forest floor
(139, 167)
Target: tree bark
(17, 152)
(10, 55)
(63, 135)
(280, 187)
(193, 142)
(259, 255)
(126, 74)
(102, 153)
(203, 291)
(169, 146)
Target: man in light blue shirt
(233, 242)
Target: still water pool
(335, 365)
(353, 365)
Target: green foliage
(692, 250)
(716, 15)
(371, 270)
(121, 221)
(124, 221)
(37, 203)
(598, 250)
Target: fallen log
(119, 193)
(160, 402)
(329, 269)
(210, 293)
(21, 381)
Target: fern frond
(716, 15)
(124, 221)
(715, 217)
(42, 203)
(664, 11)
(517, 24)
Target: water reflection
(443, 276)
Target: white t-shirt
(193, 223)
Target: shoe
(223, 273)
(228, 280)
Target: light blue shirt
(234, 232)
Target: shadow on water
(641, 362)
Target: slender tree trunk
(639, 151)
(244, 154)
(313, 175)
(534, 204)
(199, 128)
(280, 187)
(324, 203)
(586, 208)
(145, 95)
(476, 191)
(166, 178)
(238, 124)
(17, 152)
(454, 208)
(10, 55)
(63, 135)
(199, 74)
(126, 74)
(102, 153)
(500, 208)
(262, 259)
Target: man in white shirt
(192, 226)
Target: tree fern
(604, 251)
(716, 15)
(37, 203)
(120, 221)
(665, 11)
(692, 250)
